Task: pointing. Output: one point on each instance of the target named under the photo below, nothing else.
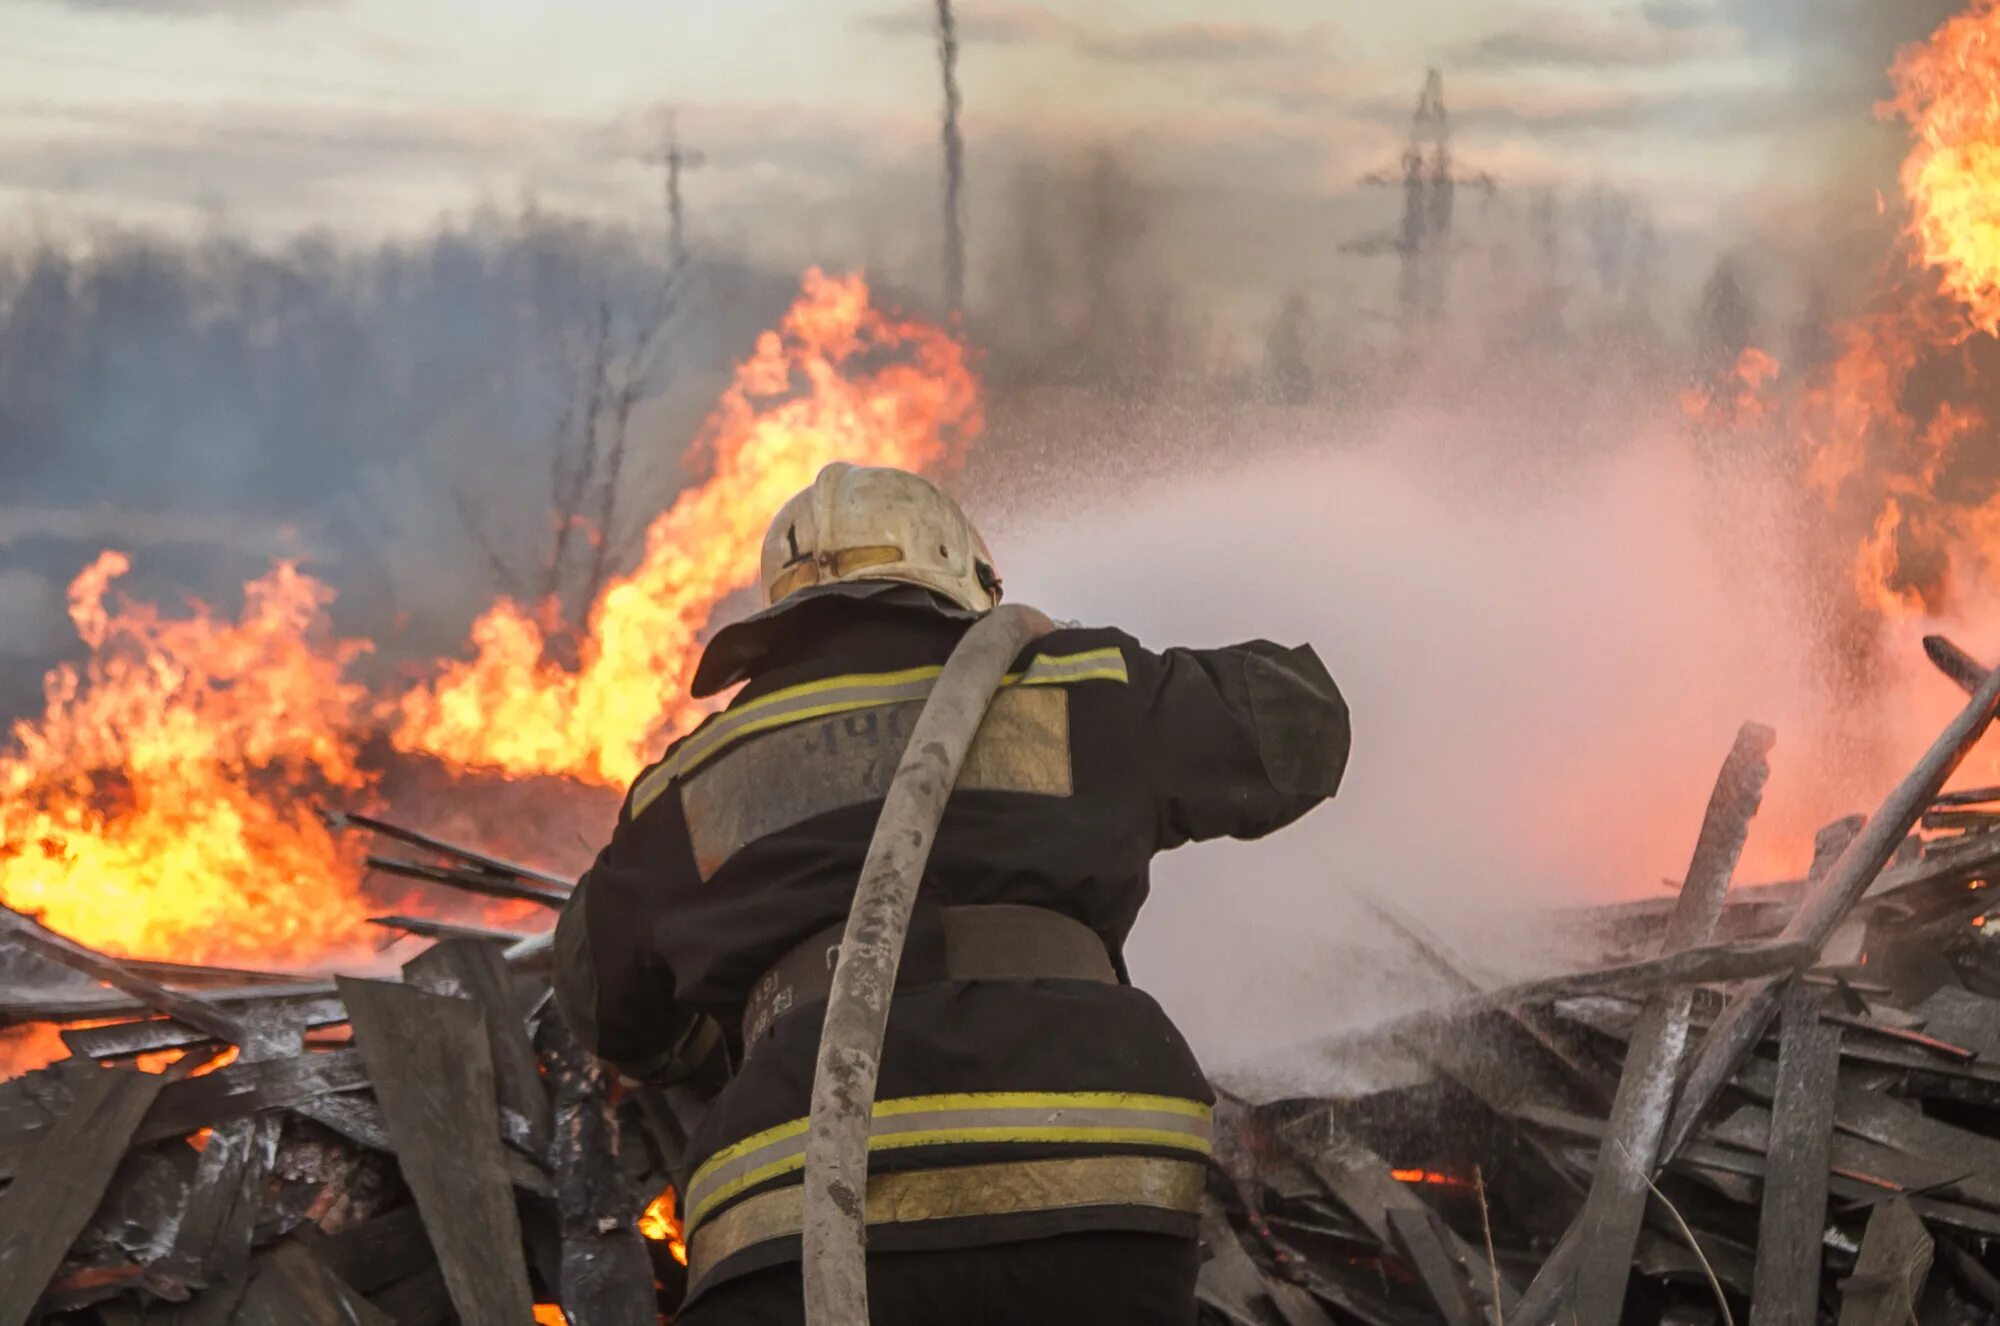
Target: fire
(838, 380)
(1884, 434)
(160, 804)
(1945, 88)
(1429, 1176)
(657, 1223)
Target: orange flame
(1879, 447)
(1945, 88)
(839, 380)
(657, 1223)
(158, 806)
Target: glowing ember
(1428, 1176)
(160, 805)
(1945, 89)
(550, 1314)
(839, 380)
(657, 1223)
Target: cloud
(1664, 33)
(1180, 42)
(1005, 23)
(195, 8)
(996, 22)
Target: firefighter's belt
(968, 1190)
(988, 943)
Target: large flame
(839, 380)
(1946, 88)
(161, 804)
(1881, 433)
(164, 803)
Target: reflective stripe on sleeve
(1104, 1118)
(843, 694)
(1063, 1184)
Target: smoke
(1547, 658)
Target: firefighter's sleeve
(1246, 739)
(615, 992)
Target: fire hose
(871, 948)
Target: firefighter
(1041, 1127)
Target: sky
(373, 117)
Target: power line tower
(1429, 179)
(954, 162)
(676, 159)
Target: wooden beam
(607, 1276)
(1744, 1021)
(1791, 1222)
(1592, 1263)
(289, 1287)
(475, 969)
(52, 1198)
(196, 1013)
(429, 1059)
(1417, 1238)
(1890, 1271)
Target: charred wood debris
(1774, 1104)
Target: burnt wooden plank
(432, 928)
(379, 1252)
(606, 1276)
(477, 970)
(1791, 1223)
(125, 1038)
(1825, 907)
(1890, 1271)
(58, 1189)
(1593, 1260)
(432, 1070)
(1364, 1183)
(1231, 1282)
(471, 879)
(32, 934)
(18, 1005)
(1417, 1238)
(213, 1242)
(358, 1118)
(289, 1287)
(1861, 1170)
(478, 860)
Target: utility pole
(954, 163)
(1429, 180)
(675, 159)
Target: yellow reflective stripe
(867, 690)
(965, 1118)
(949, 1193)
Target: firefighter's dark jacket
(1005, 1109)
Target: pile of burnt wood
(1778, 1104)
(1781, 1104)
(426, 1149)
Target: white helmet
(863, 523)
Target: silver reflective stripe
(844, 694)
(1101, 1118)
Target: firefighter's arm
(614, 990)
(1245, 739)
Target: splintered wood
(1772, 1104)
